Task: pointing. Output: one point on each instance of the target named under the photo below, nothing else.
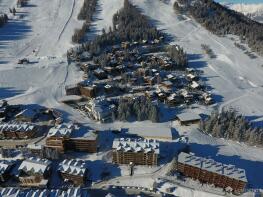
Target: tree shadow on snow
(12, 31)
(92, 30)
(9, 92)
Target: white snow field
(46, 27)
(254, 11)
(41, 32)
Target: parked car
(23, 61)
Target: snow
(47, 26)
(182, 191)
(103, 19)
(226, 151)
(35, 164)
(221, 73)
(247, 8)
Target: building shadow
(98, 167)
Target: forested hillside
(128, 25)
(86, 13)
(221, 20)
(231, 125)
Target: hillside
(42, 33)
(223, 21)
(253, 11)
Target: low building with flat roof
(188, 118)
(135, 151)
(148, 130)
(69, 99)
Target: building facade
(89, 92)
(5, 169)
(74, 170)
(34, 172)
(137, 152)
(72, 138)
(212, 172)
(72, 89)
(188, 118)
(16, 130)
(58, 135)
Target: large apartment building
(17, 130)
(74, 170)
(58, 135)
(135, 151)
(66, 137)
(34, 172)
(209, 171)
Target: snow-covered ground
(254, 11)
(103, 18)
(235, 79)
(46, 27)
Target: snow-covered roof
(74, 167)
(62, 130)
(170, 76)
(5, 165)
(212, 166)
(188, 117)
(172, 97)
(29, 113)
(35, 165)
(191, 76)
(35, 146)
(70, 98)
(17, 127)
(84, 133)
(136, 145)
(72, 131)
(71, 86)
(148, 130)
(7, 192)
(167, 83)
(195, 84)
(16, 192)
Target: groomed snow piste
(42, 32)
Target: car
(23, 61)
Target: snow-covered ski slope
(235, 78)
(46, 27)
(41, 32)
(43, 26)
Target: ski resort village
(130, 98)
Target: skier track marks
(30, 43)
(65, 25)
(55, 16)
